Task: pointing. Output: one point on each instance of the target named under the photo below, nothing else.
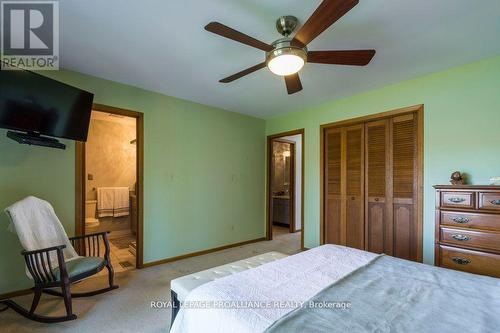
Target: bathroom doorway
(109, 173)
(285, 195)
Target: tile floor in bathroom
(121, 258)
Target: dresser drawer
(470, 261)
(470, 220)
(457, 199)
(481, 239)
(489, 200)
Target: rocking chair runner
(50, 267)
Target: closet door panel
(333, 207)
(378, 221)
(403, 231)
(376, 227)
(404, 180)
(332, 230)
(354, 182)
(355, 226)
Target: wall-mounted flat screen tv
(33, 103)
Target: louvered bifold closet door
(404, 153)
(353, 187)
(378, 180)
(333, 159)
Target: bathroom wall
(278, 184)
(110, 157)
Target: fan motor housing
(284, 46)
(286, 24)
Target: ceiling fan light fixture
(286, 64)
(287, 56)
(285, 59)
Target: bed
(336, 289)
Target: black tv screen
(30, 102)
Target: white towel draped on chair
(113, 201)
(38, 227)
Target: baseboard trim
(199, 253)
(16, 293)
(23, 292)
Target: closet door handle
(460, 219)
(461, 261)
(461, 238)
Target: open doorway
(285, 195)
(109, 183)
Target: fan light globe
(286, 64)
(285, 59)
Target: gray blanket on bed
(394, 295)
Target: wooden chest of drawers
(468, 228)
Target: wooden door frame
(80, 178)
(269, 225)
(419, 111)
(291, 194)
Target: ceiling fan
(287, 56)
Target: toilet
(90, 213)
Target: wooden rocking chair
(49, 269)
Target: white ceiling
(161, 45)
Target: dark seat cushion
(81, 265)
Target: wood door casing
(270, 139)
(80, 178)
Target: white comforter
(290, 280)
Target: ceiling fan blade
(328, 12)
(243, 73)
(351, 57)
(225, 31)
(293, 83)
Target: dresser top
(468, 187)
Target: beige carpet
(127, 309)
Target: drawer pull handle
(460, 219)
(461, 238)
(495, 202)
(461, 261)
(456, 200)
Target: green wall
(204, 167)
(461, 124)
(203, 177)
